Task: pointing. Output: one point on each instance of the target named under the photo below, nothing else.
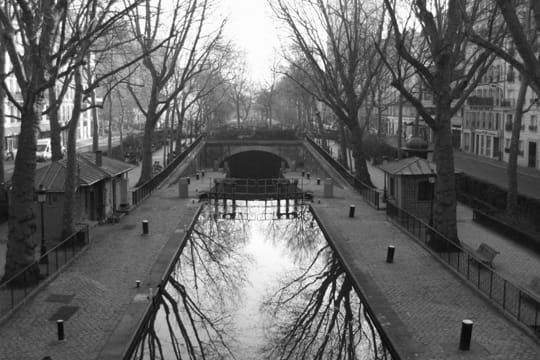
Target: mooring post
(145, 227)
(466, 334)
(351, 211)
(60, 329)
(390, 254)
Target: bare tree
(336, 40)
(35, 28)
(239, 89)
(185, 53)
(448, 67)
(523, 22)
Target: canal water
(255, 281)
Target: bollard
(351, 211)
(303, 173)
(318, 181)
(197, 176)
(308, 175)
(145, 227)
(390, 254)
(60, 329)
(137, 283)
(466, 334)
(188, 180)
(202, 173)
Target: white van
(43, 150)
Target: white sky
(252, 28)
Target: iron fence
(370, 194)
(521, 304)
(141, 192)
(15, 290)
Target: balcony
(480, 101)
(506, 103)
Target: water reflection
(262, 283)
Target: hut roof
(410, 166)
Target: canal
(261, 282)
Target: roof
(110, 166)
(410, 166)
(53, 176)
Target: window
(391, 186)
(425, 190)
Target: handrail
(518, 302)
(369, 193)
(144, 190)
(22, 283)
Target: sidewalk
(100, 284)
(420, 302)
(515, 262)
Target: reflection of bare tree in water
(318, 315)
(300, 233)
(192, 320)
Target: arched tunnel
(255, 165)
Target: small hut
(409, 184)
(101, 190)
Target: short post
(197, 176)
(308, 175)
(137, 283)
(303, 173)
(60, 329)
(390, 254)
(318, 181)
(351, 211)
(466, 334)
(145, 227)
(202, 173)
(188, 180)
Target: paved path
(100, 283)
(515, 262)
(420, 302)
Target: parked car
(43, 150)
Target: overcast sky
(252, 27)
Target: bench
(485, 254)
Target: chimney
(99, 158)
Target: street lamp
(432, 178)
(41, 198)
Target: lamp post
(432, 180)
(41, 198)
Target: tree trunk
(56, 141)
(343, 146)
(71, 166)
(512, 210)
(400, 126)
(444, 203)
(147, 166)
(95, 125)
(179, 133)
(22, 241)
(357, 139)
(109, 138)
(2, 112)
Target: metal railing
(144, 190)
(15, 290)
(521, 304)
(238, 188)
(370, 194)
